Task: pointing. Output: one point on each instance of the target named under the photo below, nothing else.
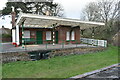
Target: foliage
(0, 11)
(103, 10)
(61, 67)
(102, 32)
(106, 11)
(40, 8)
(6, 35)
(91, 12)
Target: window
(48, 35)
(68, 35)
(26, 34)
(72, 35)
(32, 33)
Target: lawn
(62, 66)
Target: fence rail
(47, 44)
(102, 43)
(31, 45)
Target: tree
(103, 10)
(91, 12)
(40, 8)
(0, 13)
(107, 11)
(7, 10)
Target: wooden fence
(102, 43)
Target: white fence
(102, 43)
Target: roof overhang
(33, 20)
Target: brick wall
(61, 34)
(77, 34)
(33, 31)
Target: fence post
(25, 45)
(92, 42)
(97, 42)
(87, 41)
(62, 44)
(76, 43)
(46, 44)
(104, 44)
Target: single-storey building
(39, 29)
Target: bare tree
(118, 16)
(91, 12)
(107, 11)
(103, 10)
(58, 10)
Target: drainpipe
(13, 14)
(17, 35)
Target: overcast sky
(72, 8)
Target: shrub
(6, 35)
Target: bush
(6, 35)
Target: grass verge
(62, 66)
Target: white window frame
(48, 35)
(68, 35)
(26, 34)
(73, 35)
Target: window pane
(67, 35)
(73, 35)
(48, 35)
(26, 34)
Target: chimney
(2, 26)
(13, 14)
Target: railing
(95, 42)
(48, 44)
(32, 44)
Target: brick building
(37, 29)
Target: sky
(72, 8)
(6, 22)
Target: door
(56, 37)
(39, 37)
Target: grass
(62, 66)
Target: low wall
(6, 39)
(82, 50)
(14, 56)
(25, 56)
